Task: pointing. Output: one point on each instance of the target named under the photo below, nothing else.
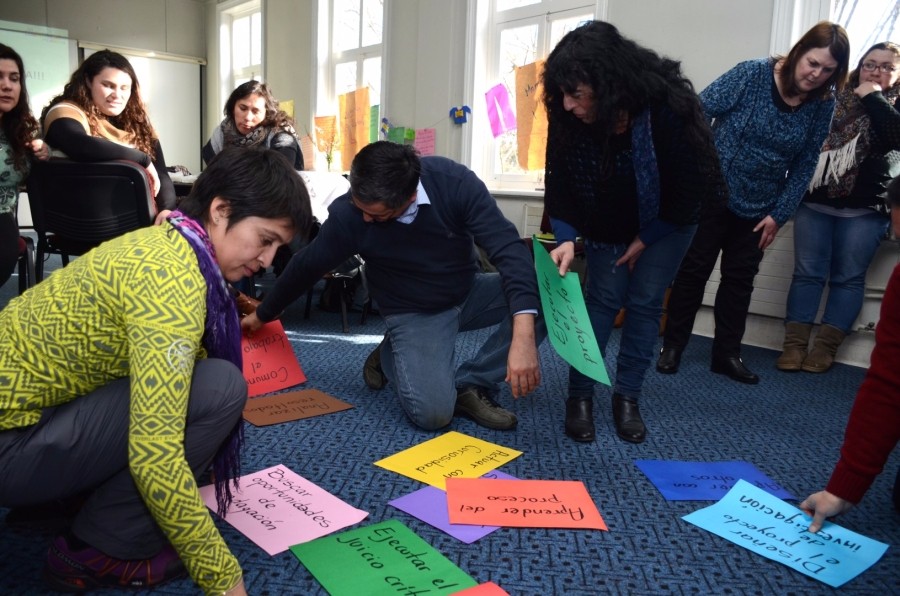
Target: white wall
(425, 69)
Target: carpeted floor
(790, 426)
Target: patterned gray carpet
(790, 426)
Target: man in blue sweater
(415, 222)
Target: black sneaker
(372, 373)
(475, 403)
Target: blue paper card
(760, 522)
(705, 481)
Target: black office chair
(77, 205)
(26, 263)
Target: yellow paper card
(451, 455)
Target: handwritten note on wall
(354, 121)
(531, 116)
(566, 316)
(276, 508)
(522, 503)
(385, 558)
(451, 455)
(269, 361)
(752, 518)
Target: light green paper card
(568, 326)
(374, 123)
(397, 134)
(386, 558)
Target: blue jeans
(419, 354)
(840, 250)
(641, 293)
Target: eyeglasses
(885, 68)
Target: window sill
(512, 192)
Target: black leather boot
(669, 360)
(580, 419)
(629, 424)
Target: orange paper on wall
(522, 503)
(531, 116)
(269, 361)
(355, 117)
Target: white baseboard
(768, 332)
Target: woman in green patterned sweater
(120, 380)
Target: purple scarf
(221, 339)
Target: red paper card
(522, 503)
(269, 360)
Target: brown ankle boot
(825, 346)
(796, 343)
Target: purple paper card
(705, 481)
(429, 504)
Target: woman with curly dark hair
(18, 143)
(100, 116)
(253, 118)
(630, 164)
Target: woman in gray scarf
(253, 119)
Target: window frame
(228, 12)
(328, 60)
(484, 56)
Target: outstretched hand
(822, 505)
(562, 256)
(250, 324)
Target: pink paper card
(485, 589)
(276, 509)
(269, 361)
(424, 142)
(522, 503)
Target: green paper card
(386, 558)
(568, 326)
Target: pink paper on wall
(499, 110)
(424, 142)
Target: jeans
(840, 250)
(641, 292)
(82, 445)
(720, 230)
(419, 354)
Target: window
(240, 44)
(867, 22)
(514, 33)
(350, 34)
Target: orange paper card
(522, 503)
(293, 405)
(269, 361)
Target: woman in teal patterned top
(120, 379)
(18, 129)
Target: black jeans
(719, 231)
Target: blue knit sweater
(425, 266)
(768, 153)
